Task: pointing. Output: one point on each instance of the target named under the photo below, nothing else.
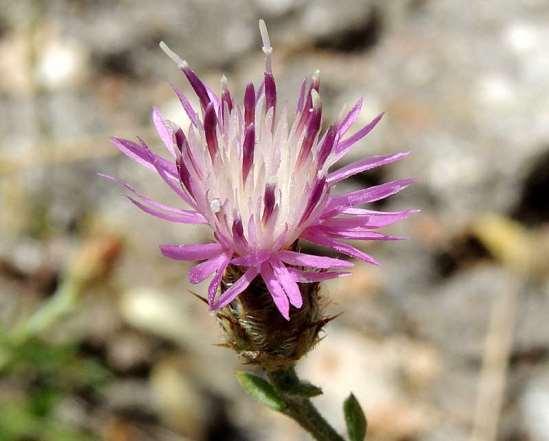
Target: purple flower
(261, 182)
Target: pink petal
(354, 233)
(238, 234)
(312, 128)
(341, 247)
(312, 277)
(252, 259)
(367, 195)
(164, 130)
(367, 218)
(344, 222)
(153, 207)
(328, 143)
(350, 118)
(214, 99)
(275, 289)
(143, 155)
(216, 280)
(173, 184)
(183, 216)
(303, 112)
(346, 144)
(363, 165)
(235, 289)
(203, 270)
(301, 99)
(187, 106)
(310, 260)
(382, 220)
(197, 251)
(287, 282)
(315, 195)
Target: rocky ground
(464, 88)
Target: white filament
(315, 97)
(316, 75)
(181, 63)
(224, 81)
(267, 48)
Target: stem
(57, 307)
(300, 409)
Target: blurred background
(100, 338)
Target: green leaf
(304, 389)
(261, 390)
(354, 419)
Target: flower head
(262, 179)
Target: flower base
(258, 333)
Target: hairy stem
(300, 409)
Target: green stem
(300, 409)
(58, 306)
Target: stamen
(248, 151)
(315, 194)
(315, 97)
(315, 80)
(249, 105)
(267, 49)
(312, 127)
(210, 126)
(226, 98)
(181, 63)
(180, 139)
(327, 145)
(269, 200)
(270, 91)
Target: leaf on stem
(261, 390)
(304, 389)
(354, 419)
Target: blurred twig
(499, 342)
(515, 248)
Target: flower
(262, 183)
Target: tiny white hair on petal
(181, 63)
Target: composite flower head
(262, 178)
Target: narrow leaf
(354, 419)
(261, 390)
(304, 389)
